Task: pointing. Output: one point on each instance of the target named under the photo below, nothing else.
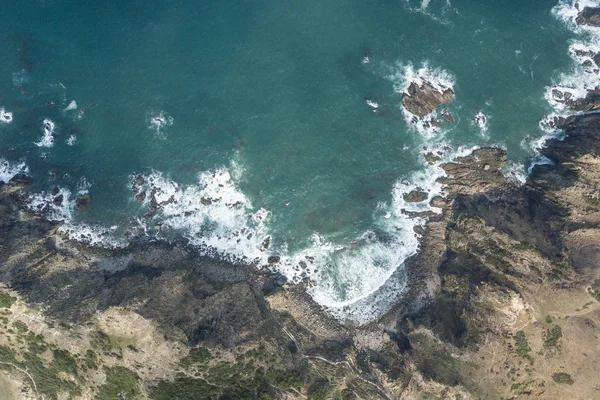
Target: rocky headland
(503, 303)
(503, 299)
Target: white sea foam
(9, 170)
(437, 14)
(157, 121)
(71, 140)
(585, 73)
(72, 106)
(515, 172)
(61, 207)
(20, 78)
(481, 120)
(48, 128)
(374, 105)
(6, 117)
(213, 214)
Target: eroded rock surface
(422, 100)
(589, 16)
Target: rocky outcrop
(421, 100)
(415, 196)
(502, 302)
(589, 16)
(590, 102)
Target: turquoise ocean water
(263, 106)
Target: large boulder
(590, 102)
(422, 100)
(589, 16)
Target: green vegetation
(435, 362)
(522, 346)
(64, 361)
(121, 383)
(20, 326)
(548, 319)
(563, 378)
(46, 377)
(100, 341)
(36, 343)
(90, 360)
(5, 300)
(196, 355)
(7, 354)
(552, 336)
(319, 389)
(184, 389)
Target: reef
(503, 302)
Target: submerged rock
(83, 201)
(424, 99)
(589, 16)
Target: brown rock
(415, 196)
(448, 117)
(437, 202)
(423, 100)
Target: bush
(5, 300)
(121, 383)
(562, 378)
(552, 336)
(522, 346)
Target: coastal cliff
(503, 303)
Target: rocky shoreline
(502, 294)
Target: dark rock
(415, 196)
(139, 180)
(431, 158)
(587, 63)
(266, 243)
(596, 59)
(58, 200)
(83, 201)
(206, 201)
(423, 100)
(273, 259)
(590, 102)
(419, 230)
(55, 191)
(557, 94)
(21, 180)
(589, 16)
(140, 197)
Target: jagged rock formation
(503, 303)
(589, 16)
(421, 100)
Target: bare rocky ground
(504, 304)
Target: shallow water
(273, 96)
